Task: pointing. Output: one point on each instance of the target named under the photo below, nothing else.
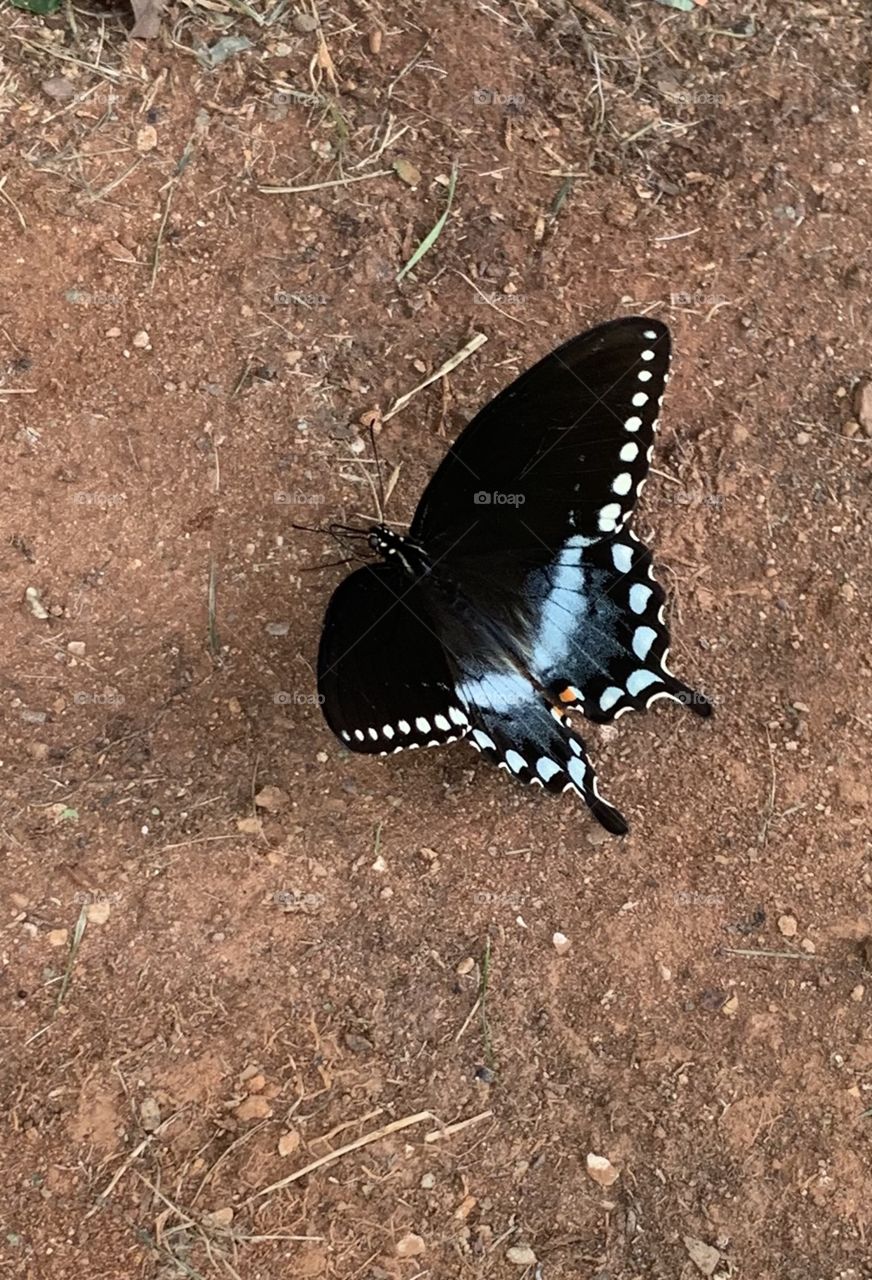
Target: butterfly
(520, 594)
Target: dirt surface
(202, 995)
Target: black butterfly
(520, 592)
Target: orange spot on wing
(569, 694)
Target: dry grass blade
(430, 239)
(476, 341)
(75, 943)
(321, 186)
(396, 1126)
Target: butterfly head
(396, 549)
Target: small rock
(410, 1246)
(146, 139)
(808, 946)
(76, 648)
(253, 1107)
(289, 1142)
(58, 937)
(141, 340)
(271, 798)
(787, 926)
(731, 1006)
(149, 1114)
(703, 1256)
(863, 405)
(59, 88)
(380, 866)
(256, 1083)
(466, 966)
(357, 1044)
(521, 1255)
(561, 943)
(621, 213)
(249, 826)
(407, 172)
(802, 437)
(851, 428)
(98, 912)
(601, 1170)
(858, 993)
(277, 628)
(219, 1217)
(34, 603)
(428, 1182)
(305, 23)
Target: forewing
(561, 452)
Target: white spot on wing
(515, 761)
(640, 680)
(622, 557)
(609, 697)
(622, 484)
(639, 399)
(547, 768)
(639, 597)
(629, 452)
(643, 638)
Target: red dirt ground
(313, 971)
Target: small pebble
(410, 1246)
(141, 340)
(858, 993)
(98, 912)
(601, 1170)
(863, 405)
(149, 1114)
(466, 966)
(289, 1142)
(253, 1107)
(219, 1217)
(277, 628)
(428, 1182)
(271, 798)
(561, 943)
(787, 926)
(76, 648)
(521, 1255)
(34, 603)
(58, 937)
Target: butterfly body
(520, 594)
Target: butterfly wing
(383, 679)
(516, 728)
(563, 451)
